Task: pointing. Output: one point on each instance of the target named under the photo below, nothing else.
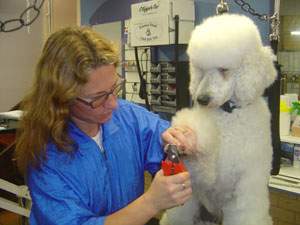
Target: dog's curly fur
(230, 174)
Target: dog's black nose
(203, 100)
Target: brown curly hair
(68, 56)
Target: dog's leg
(250, 206)
(164, 220)
(202, 164)
(182, 215)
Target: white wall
(20, 51)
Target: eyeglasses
(101, 99)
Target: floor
(8, 218)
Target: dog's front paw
(203, 164)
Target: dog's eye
(222, 70)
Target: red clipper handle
(171, 168)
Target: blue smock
(86, 187)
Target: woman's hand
(182, 136)
(164, 192)
(168, 191)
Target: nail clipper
(172, 164)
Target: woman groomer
(83, 150)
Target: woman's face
(101, 79)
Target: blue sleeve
(152, 140)
(55, 202)
(150, 128)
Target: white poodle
(230, 69)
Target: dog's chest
(244, 135)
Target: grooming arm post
(21, 192)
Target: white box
(150, 9)
(153, 23)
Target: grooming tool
(172, 164)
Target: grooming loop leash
(273, 92)
(274, 19)
(246, 7)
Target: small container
(296, 127)
(285, 119)
(287, 150)
(285, 98)
(296, 122)
(295, 111)
(296, 157)
(293, 97)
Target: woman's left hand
(182, 136)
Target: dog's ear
(196, 76)
(256, 73)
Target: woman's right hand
(168, 191)
(164, 192)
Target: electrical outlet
(134, 87)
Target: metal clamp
(222, 7)
(274, 26)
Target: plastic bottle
(296, 157)
(296, 123)
(285, 119)
(295, 112)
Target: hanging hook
(222, 7)
(275, 22)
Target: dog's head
(228, 61)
